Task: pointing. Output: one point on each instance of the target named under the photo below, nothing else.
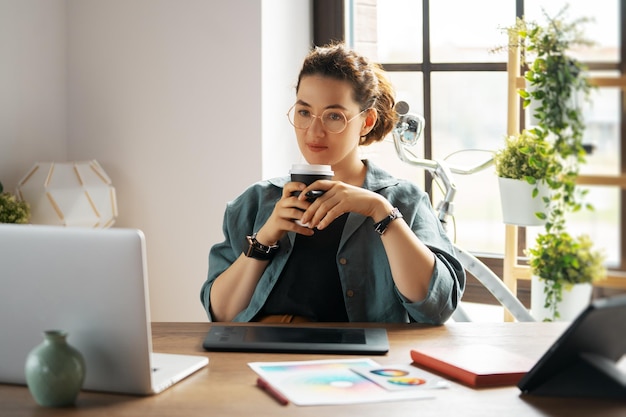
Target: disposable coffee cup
(308, 174)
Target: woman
(372, 249)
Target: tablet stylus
(265, 386)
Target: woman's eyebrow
(330, 106)
(336, 106)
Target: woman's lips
(316, 148)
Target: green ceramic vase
(55, 371)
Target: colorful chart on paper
(329, 382)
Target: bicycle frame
(442, 172)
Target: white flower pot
(518, 205)
(575, 300)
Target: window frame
(330, 25)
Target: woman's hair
(370, 86)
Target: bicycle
(405, 135)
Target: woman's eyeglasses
(334, 121)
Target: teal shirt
(369, 291)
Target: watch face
(381, 226)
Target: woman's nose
(317, 127)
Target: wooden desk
(227, 386)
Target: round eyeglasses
(334, 121)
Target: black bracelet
(382, 225)
(257, 250)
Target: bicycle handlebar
(406, 133)
(432, 165)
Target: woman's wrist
(382, 211)
(263, 238)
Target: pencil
(265, 386)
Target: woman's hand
(340, 198)
(286, 211)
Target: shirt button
(343, 261)
(350, 293)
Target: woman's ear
(371, 116)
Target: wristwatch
(258, 250)
(382, 225)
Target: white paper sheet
(333, 381)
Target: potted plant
(523, 167)
(12, 210)
(555, 82)
(563, 265)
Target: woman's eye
(334, 116)
(304, 113)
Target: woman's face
(318, 145)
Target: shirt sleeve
(447, 282)
(243, 216)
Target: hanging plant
(526, 157)
(563, 261)
(526, 161)
(557, 86)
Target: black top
(309, 286)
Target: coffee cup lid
(311, 169)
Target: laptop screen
(90, 283)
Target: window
(438, 55)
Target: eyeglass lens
(334, 121)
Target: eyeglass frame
(322, 120)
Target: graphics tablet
(583, 361)
(290, 339)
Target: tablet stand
(590, 375)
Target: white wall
(287, 38)
(170, 97)
(33, 86)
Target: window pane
(409, 88)
(601, 224)
(469, 112)
(603, 29)
(602, 117)
(466, 31)
(389, 31)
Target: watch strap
(257, 250)
(382, 225)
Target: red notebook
(474, 365)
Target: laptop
(298, 339)
(91, 283)
(585, 360)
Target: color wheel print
(407, 381)
(389, 372)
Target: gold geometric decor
(69, 194)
